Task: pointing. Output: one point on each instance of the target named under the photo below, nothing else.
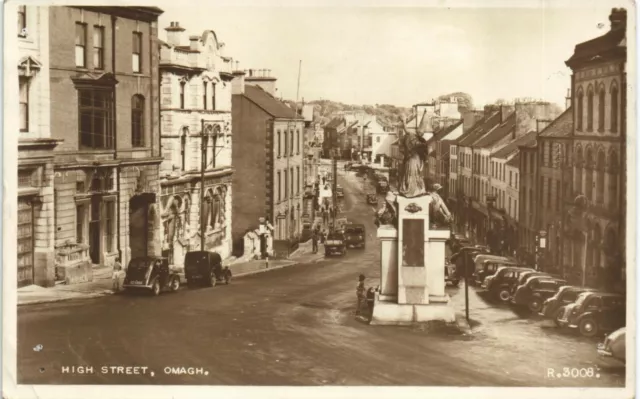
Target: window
(298, 141)
(279, 146)
(601, 96)
(292, 139)
(279, 187)
(182, 84)
(213, 96)
(580, 115)
(80, 224)
(292, 181)
(298, 177)
(24, 104)
(558, 195)
(136, 57)
(183, 148)
(590, 109)
(98, 47)
(549, 184)
(510, 178)
(286, 183)
(205, 145)
(95, 107)
(22, 20)
(516, 181)
(109, 223)
(614, 108)
(204, 96)
(137, 121)
(378, 139)
(81, 43)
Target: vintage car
(553, 308)
(450, 275)
(524, 277)
(595, 312)
(499, 285)
(463, 259)
(535, 291)
(339, 191)
(372, 199)
(487, 268)
(335, 244)
(614, 347)
(150, 273)
(205, 267)
(354, 235)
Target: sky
(403, 55)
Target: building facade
(36, 219)
(269, 171)
(105, 107)
(195, 106)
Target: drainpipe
(115, 131)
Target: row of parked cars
(349, 235)
(589, 311)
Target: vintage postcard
(321, 198)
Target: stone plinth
(388, 236)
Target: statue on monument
(414, 154)
(388, 214)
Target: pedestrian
(360, 294)
(314, 241)
(117, 271)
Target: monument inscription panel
(413, 243)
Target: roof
(483, 126)
(611, 43)
(437, 136)
(562, 126)
(268, 103)
(512, 147)
(334, 123)
(502, 131)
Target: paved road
(293, 326)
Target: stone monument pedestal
(412, 266)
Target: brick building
(35, 235)
(105, 107)
(269, 171)
(196, 129)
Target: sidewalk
(102, 283)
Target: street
(293, 326)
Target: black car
(595, 312)
(535, 291)
(526, 276)
(205, 267)
(335, 244)
(354, 235)
(553, 308)
(499, 285)
(150, 273)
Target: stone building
(595, 228)
(35, 235)
(269, 171)
(103, 64)
(196, 145)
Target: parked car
(595, 312)
(488, 268)
(335, 244)
(526, 276)
(450, 275)
(535, 291)
(614, 347)
(339, 191)
(553, 308)
(150, 273)
(354, 235)
(499, 285)
(372, 199)
(205, 267)
(463, 259)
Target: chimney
(618, 19)
(470, 118)
(542, 124)
(505, 111)
(174, 34)
(193, 42)
(567, 100)
(237, 84)
(260, 77)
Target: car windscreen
(195, 258)
(354, 230)
(139, 263)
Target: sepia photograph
(366, 197)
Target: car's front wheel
(536, 304)
(557, 316)
(504, 294)
(588, 327)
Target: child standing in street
(360, 294)
(117, 271)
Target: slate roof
(562, 126)
(437, 136)
(515, 161)
(483, 126)
(611, 43)
(504, 152)
(506, 128)
(268, 103)
(334, 123)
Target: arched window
(580, 109)
(601, 96)
(597, 245)
(137, 121)
(183, 148)
(577, 184)
(204, 95)
(182, 84)
(614, 107)
(600, 167)
(589, 174)
(613, 180)
(590, 109)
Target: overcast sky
(402, 56)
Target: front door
(94, 230)
(25, 243)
